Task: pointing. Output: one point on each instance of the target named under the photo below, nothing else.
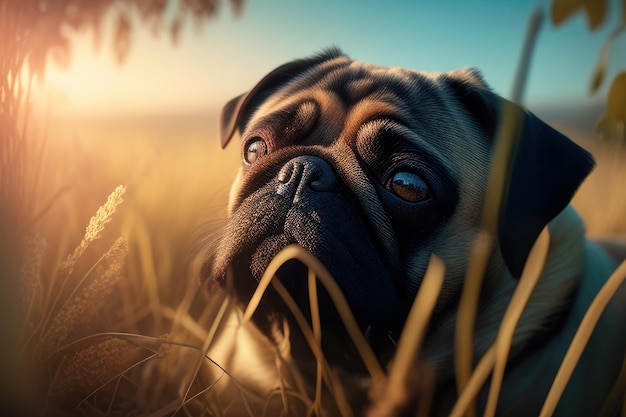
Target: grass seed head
(96, 225)
(81, 314)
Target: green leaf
(617, 98)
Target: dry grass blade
(83, 373)
(507, 142)
(301, 254)
(475, 383)
(54, 303)
(147, 262)
(614, 399)
(96, 225)
(30, 284)
(497, 355)
(30, 278)
(394, 396)
(530, 276)
(78, 313)
(414, 330)
(205, 348)
(317, 332)
(331, 379)
(117, 377)
(468, 306)
(185, 321)
(507, 138)
(581, 338)
(532, 31)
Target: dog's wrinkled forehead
(337, 97)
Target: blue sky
(228, 55)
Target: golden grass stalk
(468, 307)
(297, 252)
(617, 394)
(331, 379)
(225, 306)
(530, 276)
(85, 371)
(395, 392)
(482, 371)
(78, 314)
(317, 333)
(30, 275)
(96, 225)
(497, 355)
(581, 338)
(147, 261)
(313, 337)
(508, 136)
(156, 347)
(92, 232)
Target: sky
(229, 54)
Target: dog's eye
(255, 148)
(409, 187)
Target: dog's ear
(546, 168)
(228, 118)
(236, 113)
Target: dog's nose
(305, 173)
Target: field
(176, 180)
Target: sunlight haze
(228, 55)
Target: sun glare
(153, 79)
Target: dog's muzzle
(304, 200)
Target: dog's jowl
(374, 169)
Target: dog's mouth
(246, 271)
(379, 313)
(249, 266)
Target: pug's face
(372, 170)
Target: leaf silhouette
(605, 125)
(175, 29)
(237, 6)
(597, 78)
(561, 10)
(121, 40)
(596, 13)
(617, 98)
(61, 54)
(595, 10)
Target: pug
(374, 169)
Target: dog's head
(373, 169)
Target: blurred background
(127, 92)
